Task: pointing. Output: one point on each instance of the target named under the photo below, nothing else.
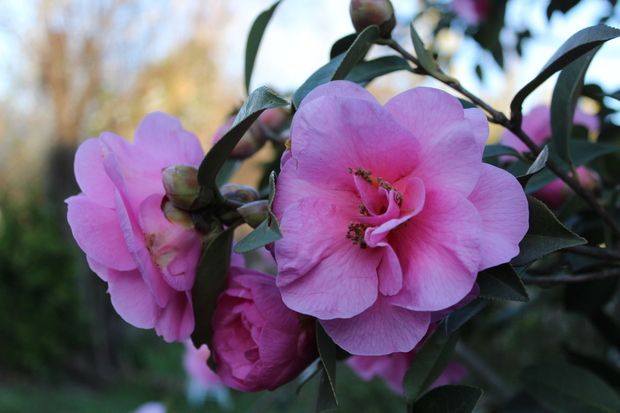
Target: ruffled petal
(90, 174)
(176, 321)
(339, 88)
(132, 299)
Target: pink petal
(480, 126)
(97, 231)
(176, 321)
(352, 134)
(321, 272)
(90, 174)
(399, 329)
(132, 299)
(389, 271)
(439, 251)
(339, 88)
(500, 200)
(100, 270)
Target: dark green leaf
(577, 45)
(615, 95)
(488, 32)
(210, 283)
(599, 366)
(491, 151)
(364, 72)
(466, 104)
(267, 232)
(589, 297)
(479, 73)
(501, 283)
(426, 59)
(562, 6)
(327, 387)
(521, 36)
(536, 167)
(545, 235)
(564, 388)
(318, 368)
(449, 399)
(261, 99)
(428, 364)
(254, 39)
(340, 66)
(228, 170)
(342, 45)
(462, 315)
(565, 94)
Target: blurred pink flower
(388, 213)
(392, 368)
(195, 363)
(472, 11)
(148, 262)
(537, 124)
(258, 343)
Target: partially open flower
(366, 13)
(181, 186)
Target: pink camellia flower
(392, 368)
(195, 363)
(148, 262)
(388, 213)
(472, 11)
(258, 343)
(537, 124)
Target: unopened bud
(366, 13)
(254, 213)
(181, 185)
(249, 143)
(176, 215)
(240, 193)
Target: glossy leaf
(502, 283)
(364, 72)
(426, 59)
(428, 364)
(464, 314)
(491, 151)
(545, 235)
(327, 386)
(254, 39)
(565, 95)
(449, 399)
(536, 167)
(210, 283)
(466, 104)
(342, 45)
(267, 232)
(563, 388)
(577, 45)
(340, 66)
(261, 99)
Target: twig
(567, 279)
(595, 252)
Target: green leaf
(327, 386)
(210, 283)
(466, 104)
(491, 151)
(428, 364)
(267, 232)
(342, 45)
(364, 72)
(615, 95)
(565, 95)
(254, 39)
(561, 5)
(545, 235)
(577, 45)
(449, 399)
(228, 170)
(426, 59)
(456, 319)
(536, 167)
(502, 283)
(261, 99)
(563, 388)
(340, 66)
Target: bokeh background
(71, 69)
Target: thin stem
(565, 279)
(595, 252)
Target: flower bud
(254, 213)
(181, 185)
(249, 143)
(365, 13)
(240, 193)
(176, 215)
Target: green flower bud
(176, 215)
(240, 193)
(254, 213)
(365, 13)
(181, 185)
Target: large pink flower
(148, 262)
(258, 343)
(537, 124)
(388, 213)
